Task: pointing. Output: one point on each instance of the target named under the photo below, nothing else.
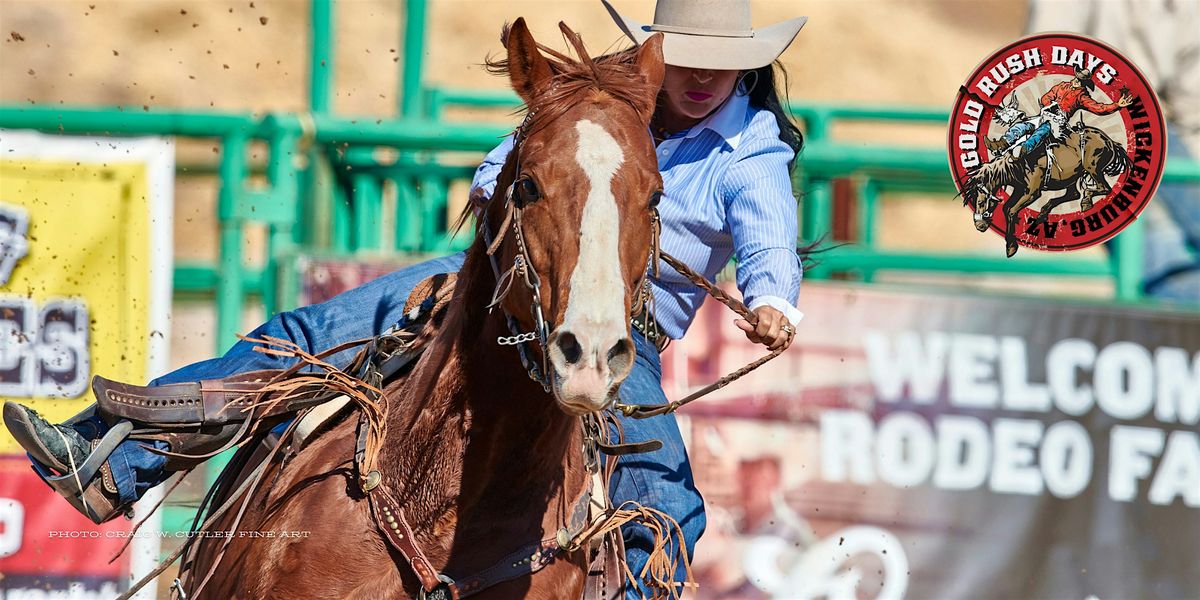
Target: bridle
(523, 268)
(539, 371)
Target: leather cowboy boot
(73, 457)
(193, 420)
(73, 465)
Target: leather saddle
(200, 419)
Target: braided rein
(640, 411)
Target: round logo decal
(1056, 142)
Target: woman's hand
(773, 331)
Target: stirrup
(81, 488)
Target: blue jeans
(1015, 132)
(1172, 246)
(1036, 137)
(661, 479)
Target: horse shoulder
(323, 537)
(327, 456)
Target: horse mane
(996, 174)
(616, 75)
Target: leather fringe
(669, 550)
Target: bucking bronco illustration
(1046, 152)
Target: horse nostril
(617, 350)
(569, 345)
(620, 357)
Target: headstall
(522, 268)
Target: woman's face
(694, 93)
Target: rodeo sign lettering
(1056, 142)
(43, 349)
(1124, 380)
(85, 286)
(949, 446)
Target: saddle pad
(317, 417)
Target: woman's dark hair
(765, 95)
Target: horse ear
(650, 63)
(528, 70)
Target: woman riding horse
(725, 150)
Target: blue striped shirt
(726, 192)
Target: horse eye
(527, 192)
(655, 198)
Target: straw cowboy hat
(711, 34)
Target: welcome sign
(949, 446)
(1124, 382)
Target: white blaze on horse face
(597, 291)
(595, 312)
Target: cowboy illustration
(1058, 105)
(1010, 115)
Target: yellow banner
(75, 256)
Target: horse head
(984, 204)
(978, 192)
(1009, 112)
(579, 194)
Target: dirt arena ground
(253, 55)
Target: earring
(744, 89)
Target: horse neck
(475, 435)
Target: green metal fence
(325, 177)
(874, 170)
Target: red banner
(53, 549)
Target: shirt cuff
(791, 312)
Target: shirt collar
(727, 122)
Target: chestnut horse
(481, 458)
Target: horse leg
(1100, 188)
(1069, 195)
(1044, 214)
(1094, 171)
(1021, 197)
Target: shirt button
(664, 152)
